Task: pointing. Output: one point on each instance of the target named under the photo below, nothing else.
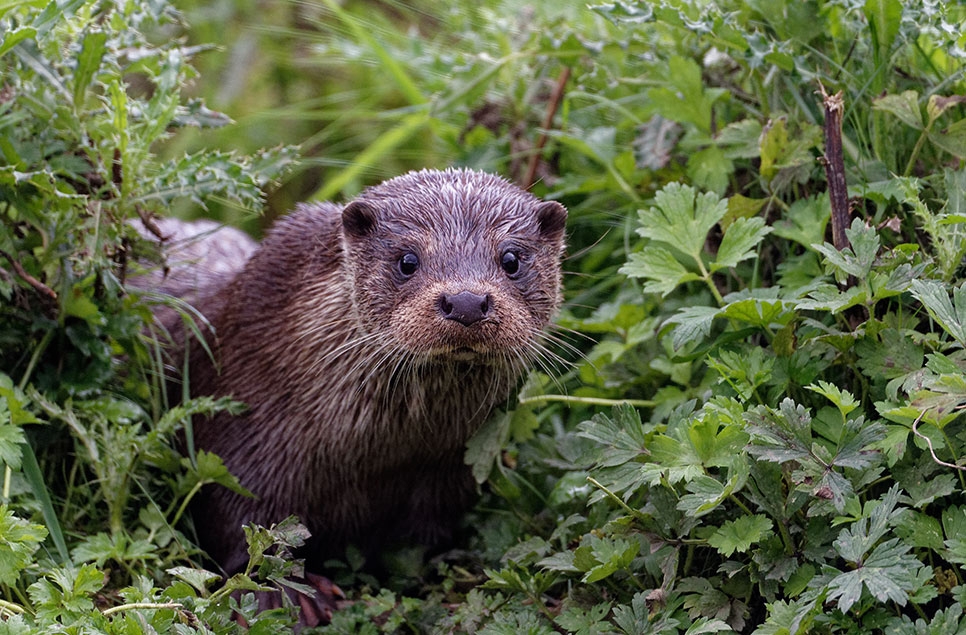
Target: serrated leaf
(842, 399)
(857, 259)
(827, 297)
(885, 584)
(893, 355)
(951, 315)
(856, 447)
(610, 555)
(66, 592)
(578, 620)
(780, 436)
(952, 138)
(854, 542)
(681, 218)
(740, 139)
(710, 169)
(685, 99)
(11, 439)
(708, 625)
(673, 460)
(15, 36)
(905, 107)
(485, 446)
(805, 221)
(659, 268)
(622, 437)
(19, 540)
(93, 47)
(705, 493)
(766, 314)
(200, 579)
(739, 242)
(738, 535)
(693, 324)
(210, 469)
(743, 370)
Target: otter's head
(454, 265)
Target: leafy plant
(765, 433)
(86, 436)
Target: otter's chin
(462, 353)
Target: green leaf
(888, 574)
(15, 36)
(760, 312)
(742, 207)
(681, 219)
(483, 448)
(893, 354)
(739, 242)
(827, 297)
(705, 493)
(622, 437)
(93, 47)
(853, 543)
(952, 138)
(577, 620)
(710, 169)
(19, 540)
(660, 268)
(780, 436)
(740, 140)
(11, 438)
(787, 158)
(885, 18)
(805, 221)
(919, 530)
(200, 579)
(210, 469)
(66, 593)
(938, 104)
(685, 99)
(744, 370)
(842, 399)
(887, 570)
(738, 535)
(857, 259)
(602, 557)
(708, 625)
(693, 324)
(905, 107)
(951, 315)
(790, 618)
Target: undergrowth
(764, 434)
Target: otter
(369, 342)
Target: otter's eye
(408, 264)
(510, 262)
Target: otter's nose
(465, 307)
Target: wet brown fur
(360, 394)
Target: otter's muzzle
(465, 307)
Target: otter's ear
(552, 217)
(358, 219)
